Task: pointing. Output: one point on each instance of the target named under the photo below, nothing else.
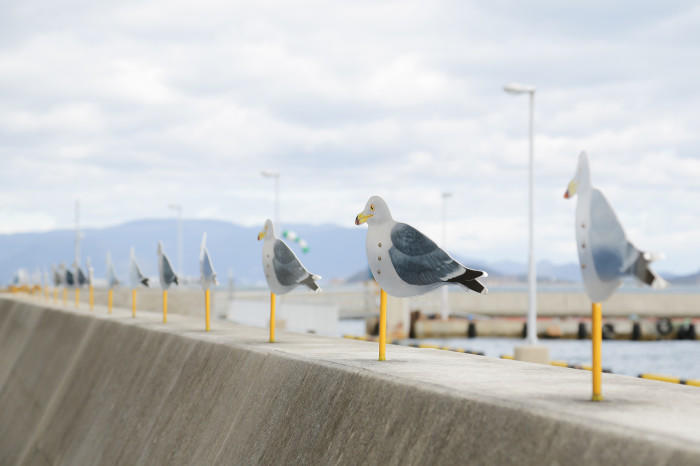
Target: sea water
(677, 358)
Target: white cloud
(131, 109)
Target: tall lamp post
(78, 235)
(517, 89)
(276, 177)
(178, 209)
(444, 310)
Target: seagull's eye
(371, 207)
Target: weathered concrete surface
(81, 388)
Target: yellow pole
(65, 296)
(109, 300)
(272, 317)
(92, 298)
(46, 292)
(382, 325)
(55, 296)
(133, 302)
(597, 337)
(165, 306)
(77, 298)
(207, 305)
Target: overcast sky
(132, 105)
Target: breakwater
(90, 388)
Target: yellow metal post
(382, 325)
(207, 305)
(91, 291)
(133, 302)
(596, 338)
(272, 317)
(165, 306)
(65, 296)
(77, 298)
(46, 292)
(109, 300)
(55, 296)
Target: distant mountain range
(336, 253)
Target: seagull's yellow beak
(570, 190)
(362, 218)
(261, 235)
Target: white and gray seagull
(57, 276)
(605, 254)
(112, 280)
(206, 268)
(165, 270)
(404, 261)
(136, 278)
(283, 269)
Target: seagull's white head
(268, 230)
(376, 211)
(582, 177)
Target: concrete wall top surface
(79, 387)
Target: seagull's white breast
(597, 289)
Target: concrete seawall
(90, 388)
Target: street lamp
(517, 89)
(276, 177)
(178, 209)
(445, 311)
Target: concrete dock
(91, 388)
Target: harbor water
(679, 358)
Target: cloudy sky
(129, 106)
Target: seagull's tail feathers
(176, 280)
(310, 281)
(642, 270)
(144, 282)
(469, 280)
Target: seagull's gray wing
(207, 267)
(168, 273)
(286, 265)
(70, 281)
(613, 255)
(418, 260)
(82, 279)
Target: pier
(89, 388)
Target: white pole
(77, 232)
(444, 310)
(277, 202)
(276, 177)
(180, 243)
(532, 271)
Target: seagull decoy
(404, 261)
(208, 278)
(136, 278)
(70, 277)
(90, 272)
(206, 268)
(112, 280)
(283, 269)
(167, 277)
(90, 282)
(81, 279)
(57, 277)
(165, 270)
(605, 254)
